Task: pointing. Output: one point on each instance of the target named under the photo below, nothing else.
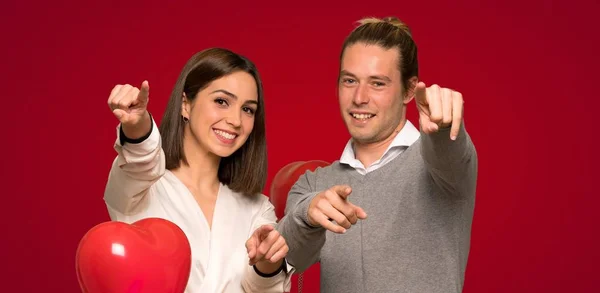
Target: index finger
(421, 93)
(457, 113)
(144, 91)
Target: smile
(224, 135)
(362, 116)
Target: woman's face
(221, 117)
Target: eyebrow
(380, 77)
(233, 96)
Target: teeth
(362, 116)
(225, 134)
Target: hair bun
(392, 19)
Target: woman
(204, 170)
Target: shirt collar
(405, 138)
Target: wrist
(304, 212)
(139, 129)
(138, 132)
(268, 269)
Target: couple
(392, 215)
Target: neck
(367, 153)
(201, 170)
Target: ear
(410, 91)
(185, 106)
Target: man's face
(370, 92)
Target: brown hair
(389, 32)
(245, 170)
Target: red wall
(526, 69)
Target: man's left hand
(439, 108)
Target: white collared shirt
(405, 138)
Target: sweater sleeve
(305, 241)
(138, 165)
(451, 164)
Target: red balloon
(285, 179)
(150, 255)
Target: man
(394, 213)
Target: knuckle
(314, 215)
(349, 211)
(436, 117)
(329, 193)
(321, 204)
(345, 224)
(319, 197)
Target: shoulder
(322, 168)
(334, 168)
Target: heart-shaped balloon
(283, 181)
(150, 255)
(285, 178)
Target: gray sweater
(417, 234)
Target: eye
(348, 80)
(248, 110)
(221, 101)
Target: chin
(224, 153)
(359, 132)
(361, 137)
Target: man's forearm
(452, 163)
(304, 241)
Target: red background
(526, 69)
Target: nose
(361, 96)
(234, 118)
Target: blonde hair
(388, 32)
(390, 20)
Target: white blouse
(139, 186)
